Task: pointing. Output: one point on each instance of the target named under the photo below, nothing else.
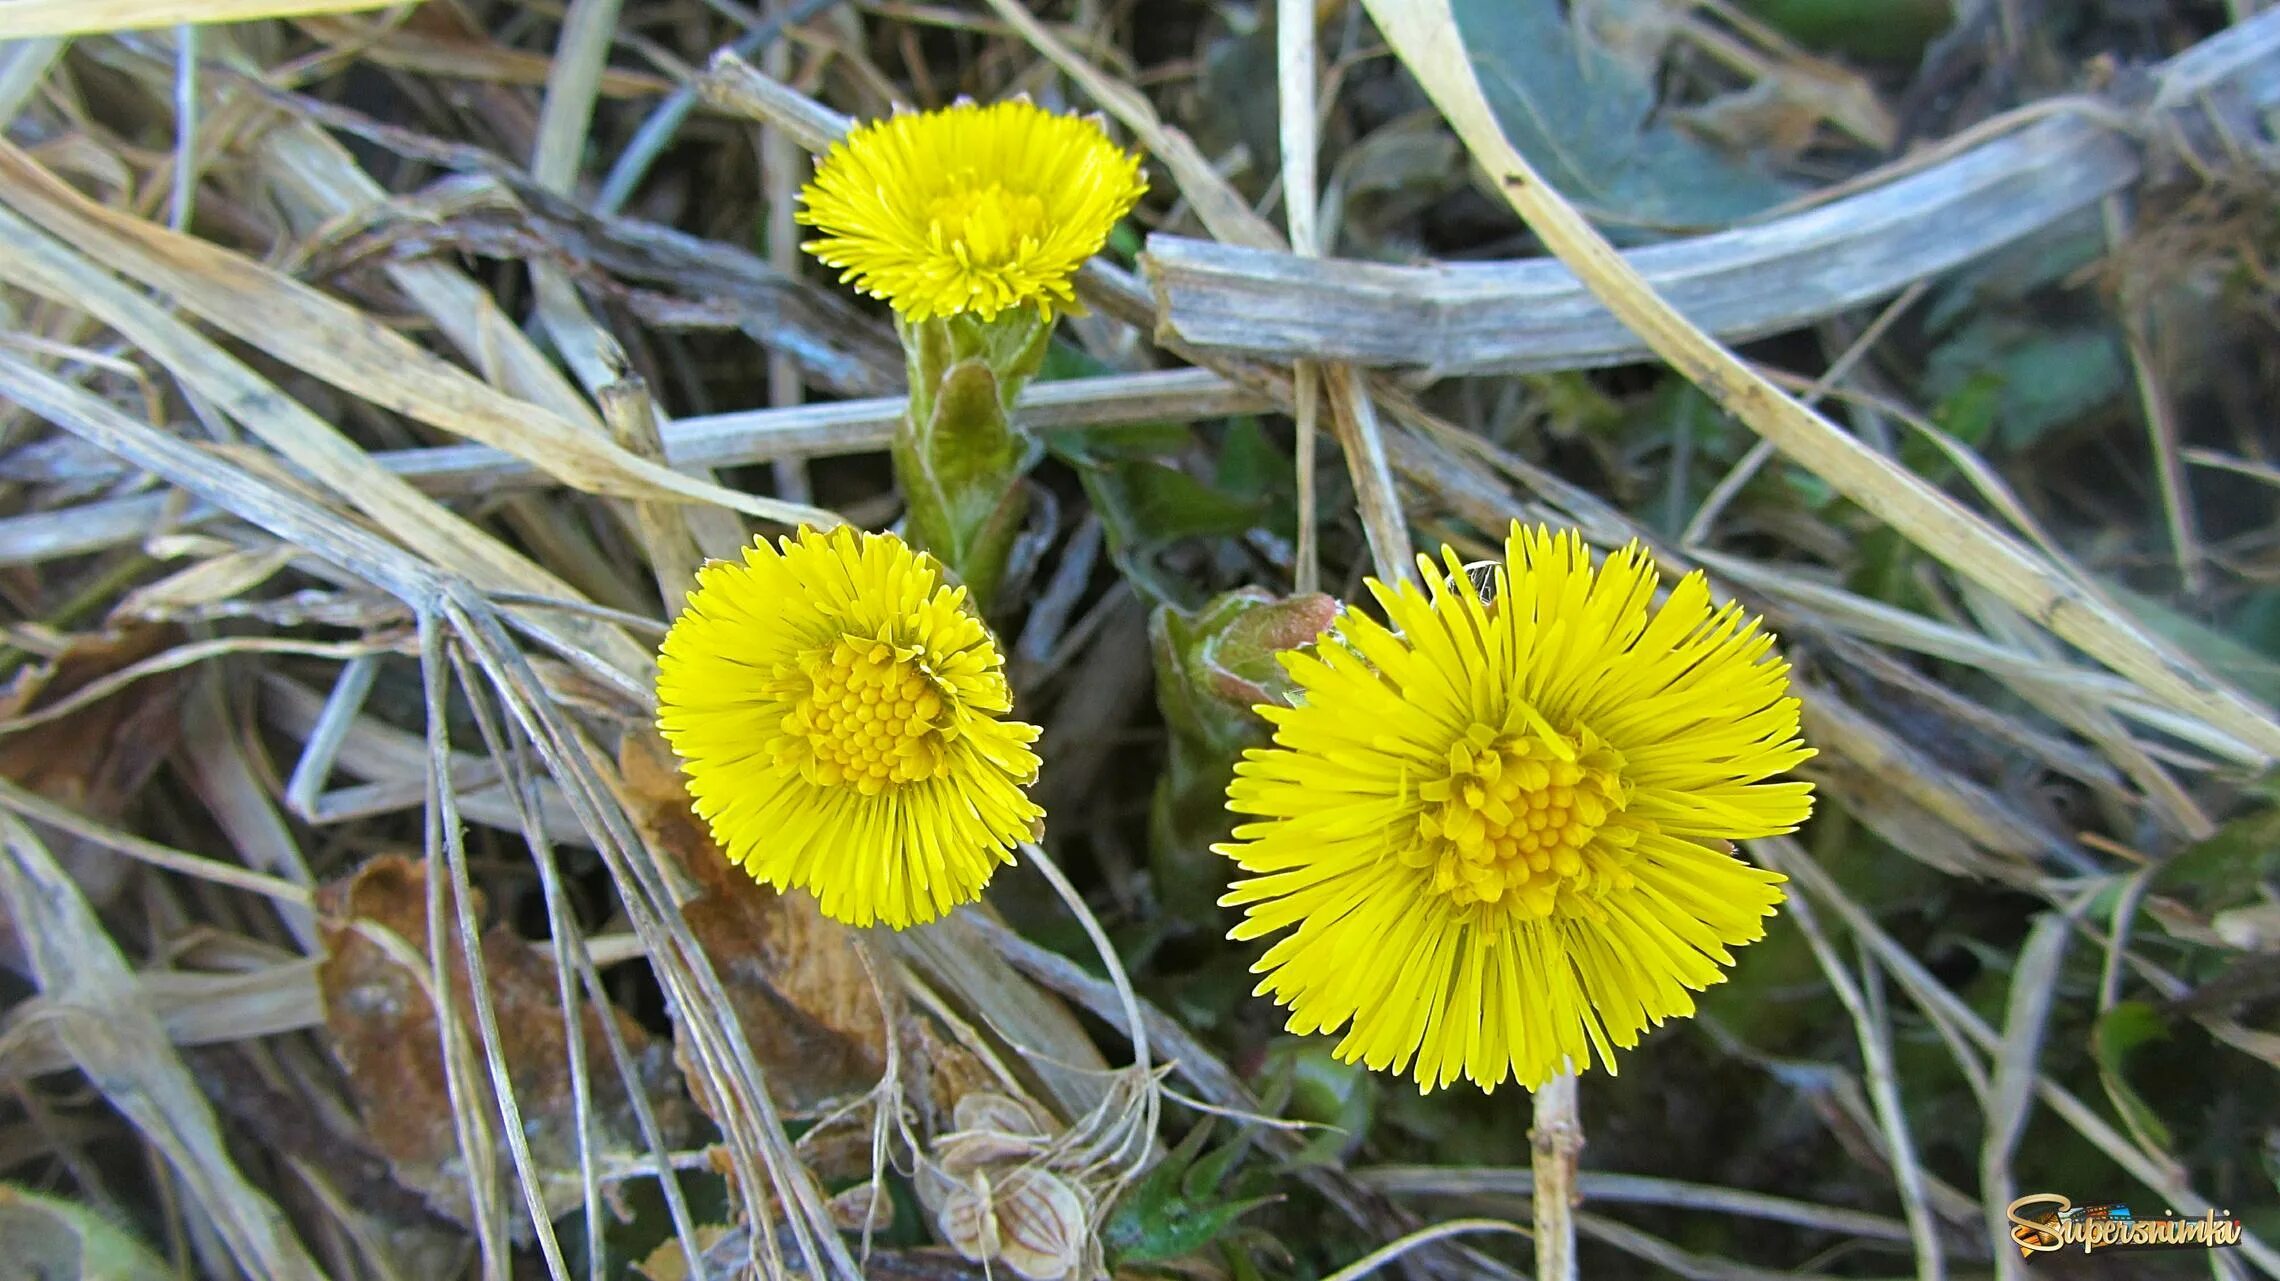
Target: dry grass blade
(1426, 37)
(22, 18)
(714, 440)
(2034, 982)
(40, 809)
(100, 1016)
(335, 342)
(193, 1009)
(1913, 223)
(33, 260)
(1064, 1060)
(1633, 1189)
(1393, 1250)
(1949, 1013)
(1216, 203)
(1874, 1036)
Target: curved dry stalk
(1426, 36)
(117, 1042)
(2029, 172)
(1883, 1087)
(1393, 1250)
(1948, 1012)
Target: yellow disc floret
(1519, 819)
(870, 719)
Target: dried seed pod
(992, 1129)
(1029, 1219)
(1041, 1224)
(966, 1151)
(964, 1217)
(861, 1209)
(988, 1110)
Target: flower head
(970, 208)
(837, 711)
(1499, 835)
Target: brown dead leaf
(797, 978)
(385, 1035)
(93, 760)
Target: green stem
(959, 457)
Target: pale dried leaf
(114, 1038)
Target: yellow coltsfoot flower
(838, 712)
(1499, 836)
(970, 209)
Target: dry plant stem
(447, 854)
(575, 959)
(718, 440)
(1066, 1063)
(1883, 1088)
(717, 1044)
(2162, 434)
(21, 18)
(2010, 1101)
(1698, 528)
(1425, 35)
(662, 527)
(780, 174)
(573, 79)
(1864, 240)
(1305, 410)
(1555, 1144)
(39, 808)
(1136, 1028)
(113, 1036)
(1294, 64)
(1393, 1250)
(1632, 1189)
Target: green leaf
(1162, 1218)
(2119, 1032)
(1337, 1095)
(1872, 30)
(1969, 415)
(50, 1237)
(1583, 114)
(2225, 869)
(2050, 376)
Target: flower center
(1522, 818)
(869, 719)
(984, 223)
